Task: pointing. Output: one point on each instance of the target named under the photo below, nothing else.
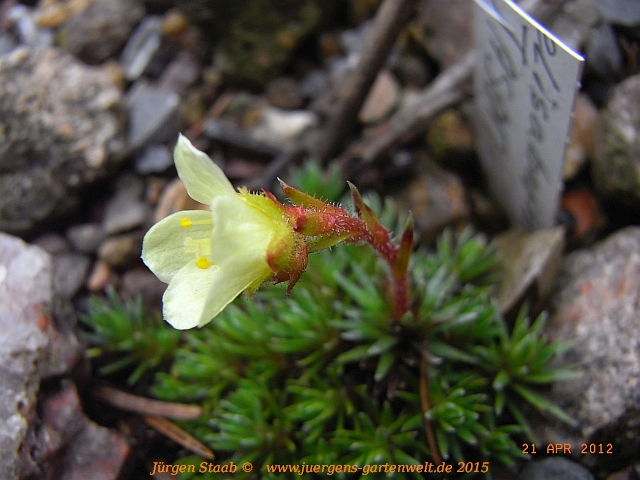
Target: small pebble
(175, 198)
(52, 243)
(153, 116)
(121, 251)
(280, 128)
(100, 277)
(70, 272)
(124, 213)
(86, 238)
(141, 47)
(183, 71)
(382, 98)
(174, 22)
(154, 159)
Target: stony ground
(94, 93)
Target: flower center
(201, 247)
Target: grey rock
(616, 167)
(70, 272)
(596, 307)
(32, 348)
(621, 12)
(25, 276)
(141, 47)
(99, 30)
(61, 128)
(124, 212)
(282, 128)
(153, 116)
(183, 71)
(86, 238)
(555, 468)
(154, 159)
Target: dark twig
(145, 406)
(387, 24)
(178, 435)
(425, 405)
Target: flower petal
(163, 246)
(185, 300)
(203, 179)
(195, 296)
(241, 230)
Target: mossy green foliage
(124, 339)
(326, 377)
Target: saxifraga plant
(326, 376)
(323, 377)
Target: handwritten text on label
(526, 82)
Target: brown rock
(71, 447)
(100, 277)
(121, 251)
(175, 198)
(582, 143)
(382, 98)
(437, 199)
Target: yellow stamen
(203, 263)
(186, 222)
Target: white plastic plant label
(525, 86)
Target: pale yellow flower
(209, 257)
